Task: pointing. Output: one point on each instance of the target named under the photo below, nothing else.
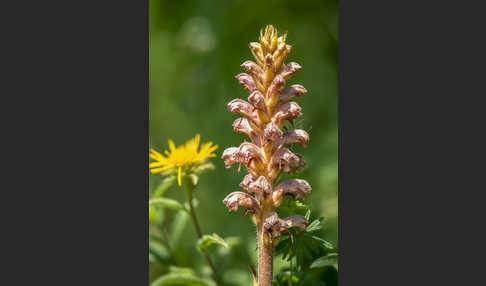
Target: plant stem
(265, 257)
(189, 191)
(291, 273)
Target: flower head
(185, 157)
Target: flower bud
(290, 92)
(252, 68)
(229, 156)
(237, 199)
(247, 180)
(241, 106)
(294, 221)
(272, 224)
(287, 111)
(272, 132)
(276, 85)
(296, 136)
(257, 52)
(248, 151)
(258, 99)
(241, 125)
(296, 187)
(247, 81)
(288, 69)
(260, 187)
(287, 161)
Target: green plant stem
(291, 273)
(189, 191)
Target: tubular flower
(187, 158)
(268, 107)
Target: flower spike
(267, 155)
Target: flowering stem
(189, 191)
(265, 257)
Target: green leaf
(315, 225)
(158, 251)
(180, 278)
(207, 240)
(163, 186)
(177, 227)
(167, 203)
(307, 215)
(325, 243)
(330, 259)
(152, 215)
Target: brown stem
(195, 222)
(265, 257)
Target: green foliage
(163, 187)
(303, 245)
(158, 252)
(327, 260)
(181, 276)
(167, 203)
(207, 240)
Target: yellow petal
(156, 164)
(179, 177)
(171, 146)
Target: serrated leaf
(307, 215)
(330, 259)
(325, 243)
(207, 240)
(315, 225)
(180, 278)
(166, 203)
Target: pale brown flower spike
(267, 156)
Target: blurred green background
(196, 48)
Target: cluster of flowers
(267, 155)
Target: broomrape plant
(269, 106)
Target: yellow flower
(184, 156)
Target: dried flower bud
(247, 180)
(247, 81)
(229, 156)
(241, 106)
(258, 99)
(246, 152)
(272, 132)
(260, 187)
(272, 224)
(296, 187)
(290, 92)
(287, 161)
(237, 199)
(296, 136)
(252, 68)
(241, 125)
(294, 221)
(287, 111)
(288, 69)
